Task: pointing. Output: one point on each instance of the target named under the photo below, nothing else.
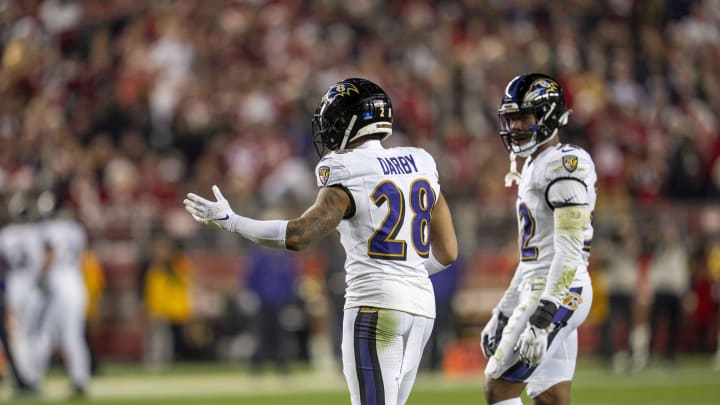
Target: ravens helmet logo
(540, 88)
(340, 90)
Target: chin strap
(513, 175)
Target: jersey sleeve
(431, 163)
(433, 171)
(566, 192)
(331, 171)
(569, 173)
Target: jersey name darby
(398, 165)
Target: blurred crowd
(127, 104)
(123, 106)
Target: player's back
(68, 240)
(387, 236)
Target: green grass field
(692, 382)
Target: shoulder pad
(569, 161)
(331, 170)
(428, 158)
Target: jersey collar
(538, 155)
(370, 144)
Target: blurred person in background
(62, 316)
(620, 261)
(21, 260)
(669, 272)
(21, 385)
(531, 339)
(272, 278)
(365, 192)
(167, 297)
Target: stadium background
(121, 107)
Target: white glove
(206, 211)
(532, 345)
(492, 333)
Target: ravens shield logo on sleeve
(324, 174)
(570, 162)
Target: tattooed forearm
(318, 220)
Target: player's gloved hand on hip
(492, 332)
(532, 344)
(206, 211)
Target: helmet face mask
(351, 109)
(518, 131)
(531, 112)
(326, 134)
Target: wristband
(433, 266)
(543, 315)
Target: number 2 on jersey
(527, 252)
(382, 244)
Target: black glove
(543, 315)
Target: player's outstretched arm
(296, 234)
(320, 219)
(267, 233)
(443, 245)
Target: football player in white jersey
(63, 315)
(531, 338)
(22, 258)
(387, 206)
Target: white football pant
(63, 319)
(559, 362)
(381, 352)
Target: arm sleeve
(511, 297)
(266, 233)
(433, 266)
(570, 224)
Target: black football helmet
(351, 109)
(536, 94)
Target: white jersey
(64, 311)
(23, 252)
(535, 215)
(68, 240)
(387, 235)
